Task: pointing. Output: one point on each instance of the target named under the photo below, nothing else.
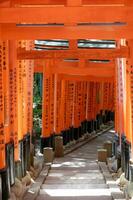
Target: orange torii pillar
(4, 135)
(79, 107)
(71, 104)
(25, 96)
(52, 106)
(63, 111)
(46, 133)
(90, 125)
(13, 151)
(121, 111)
(126, 129)
(98, 90)
(116, 106)
(57, 103)
(67, 98)
(84, 109)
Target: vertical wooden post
(2, 136)
(46, 134)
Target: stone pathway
(77, 176)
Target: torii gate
(68, 19)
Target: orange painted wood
(62, 105)
(13, 97)
(60, 14)
(5, 63)
(57, 105)
(100, 54)
(52, 93)
(71, 101)
(39, 64)
(2, 136)
(62, 2)
(85, 78)
(46, 128)
(10, 31)
(75, 120)
(79, 71)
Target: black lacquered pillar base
(68, 136)
(5, 184)
(80, 131)
(64, 135)
(45, 142)
(95, 125)
(98, 121)
(89, 126)
(27, 152)
(112, 116)
(115, 144)
(10, 162)
(123, 141)
(76, 133)
(127, 159)
(71, 133)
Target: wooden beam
(100, 54)
(85, 78)
(39, 64)
(10, 31)
(67, 15)
(63, 2)
(79, 71)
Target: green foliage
(37, 104)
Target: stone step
(73, 186)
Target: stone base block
(48, 155)
(59, 150)
(108, 147)
(102, 155)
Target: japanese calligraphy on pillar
(79, 102)
(6, 90)
(52, 87)
(58, 102)
(2, 137)
(71, 101)
(13, 96)
(46, 106)
(76, 124)
(30, 64)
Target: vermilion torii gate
(77, 96)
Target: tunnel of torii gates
(77, 96)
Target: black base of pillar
(10, 162)
(127, 159)
(112, 116)
(71, 133)
(84, 127)
(76, 133)
(115, 144)
(80, 131)
(123, 141)
(5, 184)
(27, 152)
(89, 126)
(68, 135)
(45, 142)
(22, 156)
(98, 121)
(104, 119)
(52, 140)
(64, 135)
(131, 173)
(95, 125)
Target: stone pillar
(48, 155)
(59, 151)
